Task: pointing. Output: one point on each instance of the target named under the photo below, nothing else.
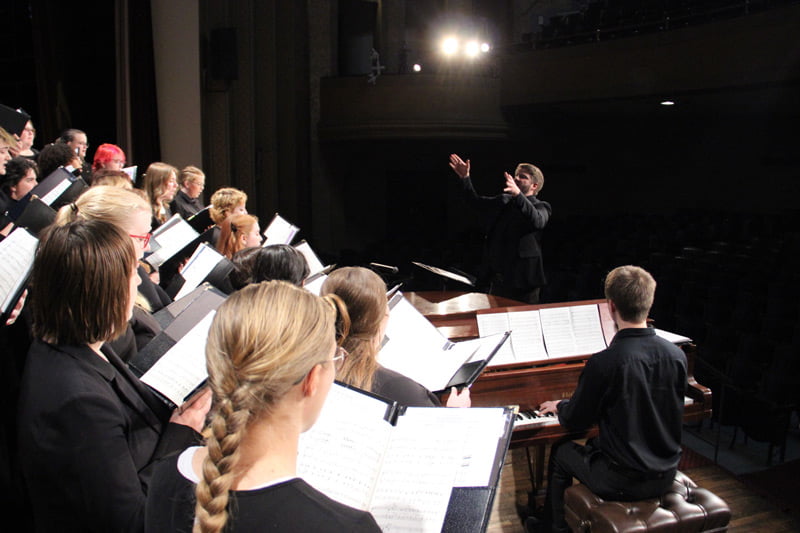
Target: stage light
(472, 49)
(667, 102)
(450, 46)
(417, 67)
(484, 47)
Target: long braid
(253, 360)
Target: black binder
(45, 189)
(35, 216)
(12, 120)
(201, 220)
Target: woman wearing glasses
(271, 357)
(130, 212)
(364, 294)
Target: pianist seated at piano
(364, 294)
(634, 392)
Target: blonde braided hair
(263, 340)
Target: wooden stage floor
(750, 511)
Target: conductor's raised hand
(459, 166)
(511, 185)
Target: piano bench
(684, 507)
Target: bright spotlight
(417, 67)
(450, 46)
(667, 102)
(472, 49)
(484, 47)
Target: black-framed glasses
(144, 238)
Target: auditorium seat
(685, 507)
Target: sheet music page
(672, 337)
(419, 470)
(342, 452)
(57, 191)
(314, 264)
(200, 264)
(131, 172)
(176, 234)
(492, 324)
(483, 427)
(587, 329)
(182, 367)
(315, 286)
(607, 322)
(413, 342)
(526, 335)
(572, 330)
(279, 231)
(18, 251)
(557, 331)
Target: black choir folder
(415, 468)
(173, 363)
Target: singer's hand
(459, 399)
(511, 185)
(458, 165)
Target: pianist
(634, 391)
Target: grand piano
(527, 385)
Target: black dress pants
(600, 474)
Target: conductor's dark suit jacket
(513, 249)
(89, 432)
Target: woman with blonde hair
(225, 202)
(130, 212)
(238, 232)
(160, 184)
(271, 356)
(364, 294)
(188, 200)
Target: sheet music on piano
(542, 334)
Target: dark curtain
(146, 144)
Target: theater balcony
(411, 106)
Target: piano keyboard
(532, 418)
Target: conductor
(513, 254)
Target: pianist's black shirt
(634, 390)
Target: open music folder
(18, 251)
(415, 348)
(279, 231)
(205, 265)
(169, 239)
(173, 363)
(58, 189)
(419, 469)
